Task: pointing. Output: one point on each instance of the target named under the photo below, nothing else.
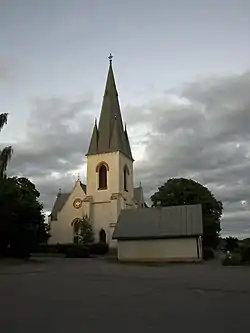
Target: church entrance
(102, 236)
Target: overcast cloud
(200, 132)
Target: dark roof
(110, 135)
(159, 222)
(60, 202)
(58, 205)
(84, 187)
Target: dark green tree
(5, 153)
(85, 233)
(21, 218)
(182, 191)
(231, 244)
(22, 225)
(44, 233)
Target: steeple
(110, 136)
(93, 146)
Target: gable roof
(159, 222)
(60, 202)
(58, 205)
(110, 135)
(84, 187)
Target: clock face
(77, 203)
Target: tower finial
(110, 58)
(78, 176)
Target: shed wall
(173, 249)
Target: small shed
(160, 234)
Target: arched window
(102, 173)
(102, 236)
(125, 178)
(102, 169)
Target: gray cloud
(205, 135)
(5, 71)
(56, 139)
(200, 131)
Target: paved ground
(92, 295)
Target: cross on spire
(110, 59)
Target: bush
(231, 244)
(234, 260)
(99, 248)
(70, 249)
(21, 253)
(77, 251)
(53, 249)
(245, 253)
(208, 253)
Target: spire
(93, 146)
(110, 136)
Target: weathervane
(110, 58)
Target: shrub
(245, 253)
(53, 249)
(234, 260)
(83, 233)
(208, 253)
(99, 248)
(231, 244)
(21, 253)
(77, 251)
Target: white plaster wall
(112, 159)
(158, 250)
(105, 211)
(101, 218)
(128, 195)
(61, 230)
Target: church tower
(110, 184)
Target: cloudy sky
(183, 76)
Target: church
(109, 184)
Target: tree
(6, 153)
(21, 217)
(84, 234)
(182, 191)
(45, 233)
(231, 244)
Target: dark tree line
(182, 191)
(22, 225)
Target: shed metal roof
(159, 222)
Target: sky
(182, 70)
